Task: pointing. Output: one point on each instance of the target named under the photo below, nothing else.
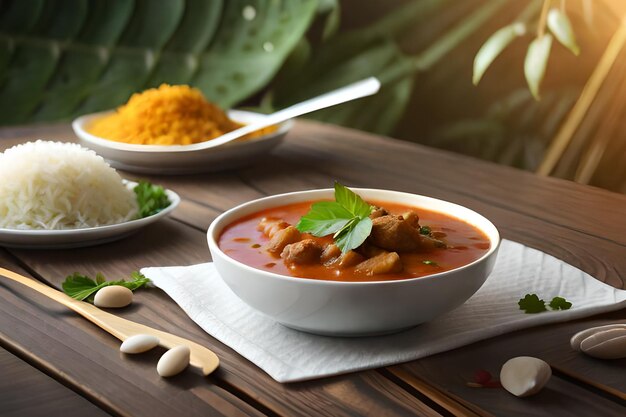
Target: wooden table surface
(53, 362)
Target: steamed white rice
(54, 185)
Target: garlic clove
(577, 339)
(524, 375)
(139, 343)
(174, 361)
(609, 344)
(113, 296)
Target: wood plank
(63, 344)
(195, 214)
(537, 212)
(26, 391)
(452, 369)
(453, 404)
(172, 243)
(558, 397)
(220, 191)
(11, 136)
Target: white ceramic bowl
(180, 159)
(353, 308)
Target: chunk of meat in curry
(280, 233)
(378, 255)
(306, 251)
(384, 263)
(342, 260)
(397, 234)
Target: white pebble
(113, 296)
(577, 339)
(139, 343)
(524, 375)
(607, 344)
(173, 361)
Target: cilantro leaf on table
(346, 218)
(81, 287)
(531, 304)
(151, 198)
(560, 303)
(138, 280)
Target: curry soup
(247, 243)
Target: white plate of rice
(61, 195)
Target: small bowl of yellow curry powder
(154, 132)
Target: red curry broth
(243, 242)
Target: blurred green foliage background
(63, 58)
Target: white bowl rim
(79, 123)
(212, 242)
(174, 202)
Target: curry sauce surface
(243, 242)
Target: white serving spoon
(359, 89)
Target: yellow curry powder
(168, 115)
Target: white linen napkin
(289, 355)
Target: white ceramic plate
(180, 159)
(74, 238)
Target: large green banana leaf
(60, 58)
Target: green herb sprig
(560, 303)
(82, 287)
(425, 230)
(151, 198)
(346, 218)
(532, 304)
